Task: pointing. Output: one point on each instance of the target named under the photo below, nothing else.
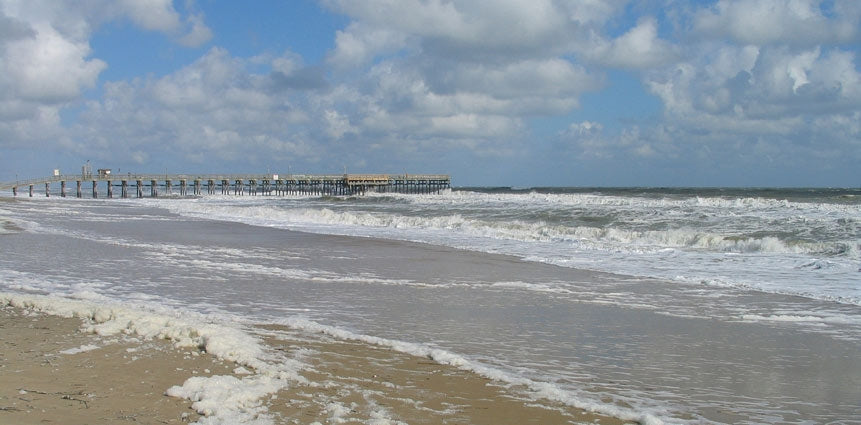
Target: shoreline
(633, 348)
(60, 371)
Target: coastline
(58, 370)
(330, 307)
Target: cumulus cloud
(757, 106)
(198, 32)
(763, 22)
(640, 47)
(359, 44)
(213, 104)
(765, 85)
(14, 29)
(468, 30)
(46, 60)
(759, 84)
(49, 67)
(161, 16)
(463, 72)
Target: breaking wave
(585, 237)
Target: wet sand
(52, 372)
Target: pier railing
(236, 184)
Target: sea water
(662, 305)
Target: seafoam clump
(225, 399)
(221, 399)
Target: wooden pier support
(167, 187)
(124, 184)
(183, 187)
(31, 190)
(110, 189)
(80, 194)
(95, 189)
(154, 188)
(14, 190)
(62, 188)
(47, 190)
(139, 185)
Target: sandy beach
(53, 372)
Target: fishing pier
(183, 185)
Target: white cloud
(462, 73)
(161, 16)
(337, 124)
(547, 78)
(48, 67)
(46, 61)
(468, 29)
(358, 44)
(777, 21)
(640, 47)
(198, 34)
(154, 15)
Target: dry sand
(111, 380)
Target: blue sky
(505, 92)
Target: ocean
(650, 304)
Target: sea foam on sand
(221, 399)
(227, 399)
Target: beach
(56, 373)
(463, 307)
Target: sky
(517, 93)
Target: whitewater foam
(484, 222)
(222, 399)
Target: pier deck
(155, 185)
